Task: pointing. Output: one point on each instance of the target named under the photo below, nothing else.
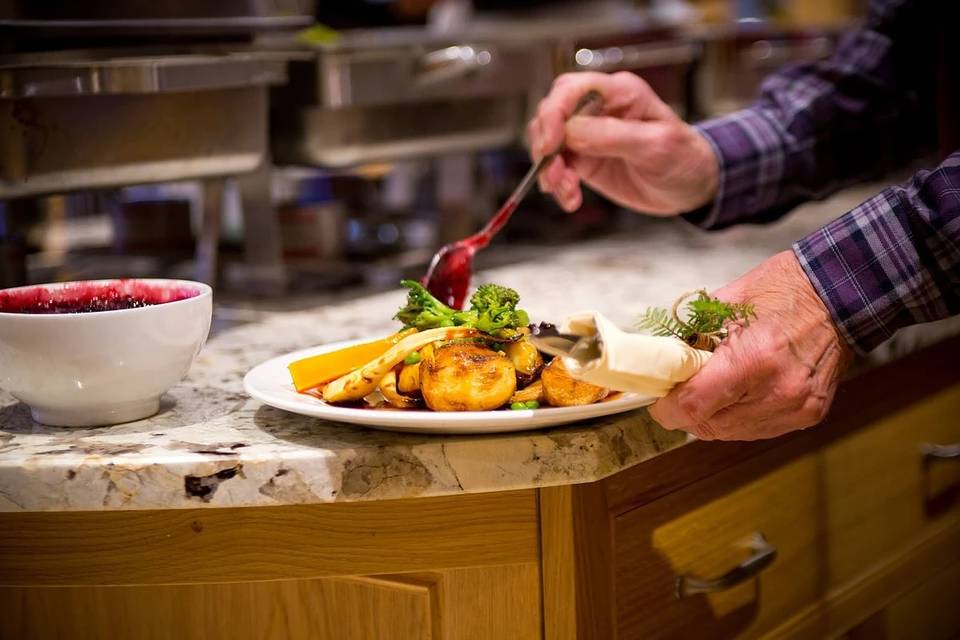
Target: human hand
(638, 154)
(775, 375)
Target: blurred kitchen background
(292, 152)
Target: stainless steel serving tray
(86, 122)
(42, 76)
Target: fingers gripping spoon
(449, 274)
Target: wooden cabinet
(840, 517)
(459, 568)
(857, 511)
(864, 521)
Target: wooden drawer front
(929, 611)
(880, 499)
(703, 530)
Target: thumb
(605, 136)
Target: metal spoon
(449, 274)
(583, 349)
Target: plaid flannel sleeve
(893, 261)
(818, 127)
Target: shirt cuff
(750, 160)
(866, 269)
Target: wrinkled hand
(639, 153)
(776, 375)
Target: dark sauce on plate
(90, 297)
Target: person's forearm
(893, 261)
(818, 127)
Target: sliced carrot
(322, 368)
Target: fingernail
(568, 186)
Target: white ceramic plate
(270, 383)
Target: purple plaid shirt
(894, 260)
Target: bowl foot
(96, 417)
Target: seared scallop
(466, 377)
(562, 390)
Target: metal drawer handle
(931, 451)
(763, 555)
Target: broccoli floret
(422, 310)
(492, 308)
(494, 296)
(496, 308)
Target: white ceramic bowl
(103, 367)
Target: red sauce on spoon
(452, 267)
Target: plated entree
(478, 359)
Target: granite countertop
(212, 446)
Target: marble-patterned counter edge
(310, 461)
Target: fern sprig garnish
(705, 322)
(709, 315)
(659, 323)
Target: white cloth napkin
(646, 365)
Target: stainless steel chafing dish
(393, 93)
(105, 94)
(389, 95)
(102, 93)
(78, 120)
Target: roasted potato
(388, 387)
(562, 390)
(532, 392)
(409, 379)
(466, 377)
(526, 359)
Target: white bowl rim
(204, 291)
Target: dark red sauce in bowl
(93, 296)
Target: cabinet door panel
(882, 493)
(289, 609)
(704, 531)
(455, 604)
(929, 611)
